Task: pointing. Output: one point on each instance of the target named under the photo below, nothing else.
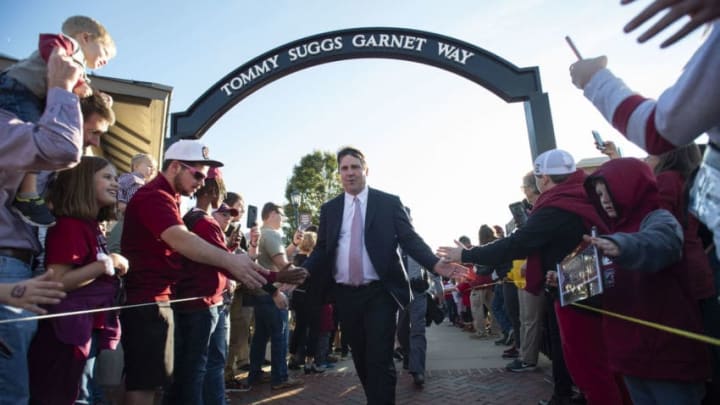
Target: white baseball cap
(189, 150)
(554, 161)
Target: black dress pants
(368, 315)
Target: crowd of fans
(201, 298)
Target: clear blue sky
(449, 148)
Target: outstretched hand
(247, 271)
(30, 294)
(451, 254)
(450, 270)
(292, 275)
(698, 11)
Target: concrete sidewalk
(460, 370)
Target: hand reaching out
(451, 254)
(246, 271)
(699, 12)
(292, 275)
(450, 270)
(29, 294)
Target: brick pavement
(461, 370)
(475, 385)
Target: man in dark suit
(356, 257)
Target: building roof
(592, 163)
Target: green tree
(315, 179)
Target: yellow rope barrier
(669, 329)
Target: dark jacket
(553, 232)
(387, 226)
(554, 228)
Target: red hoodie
(634, 349)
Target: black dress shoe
(418, 379)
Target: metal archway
(507, 81)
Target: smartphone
(598, 139)
(251, 216)
(517, 209)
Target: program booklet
(580, 275)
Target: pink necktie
(355, 264)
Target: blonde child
(23, 87)
(143, 168)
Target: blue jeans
(14, 379)
(214, 385)
(270, 323)
(647, 391)
(498, 309)
(19, 100)
(196, 351)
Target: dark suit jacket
(386, 226)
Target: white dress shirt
(342, 259)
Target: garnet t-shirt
(154, 265)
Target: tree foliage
(315, 179)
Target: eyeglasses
(197, 174)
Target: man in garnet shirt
(200, 327)
(155, 240)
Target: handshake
(291, 275)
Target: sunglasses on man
(197, 174)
